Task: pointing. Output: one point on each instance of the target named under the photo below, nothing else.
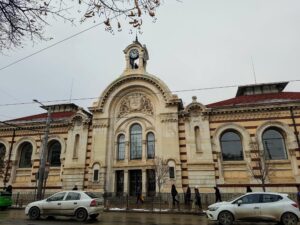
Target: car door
(247, 207)
(52, 205)
(270, 206)
(70, 203)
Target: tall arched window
(150, 145)
(25, 155)
(2, 155)
(231, 146)
(197, 138)
(76, 146)
(121, 147)
(54, 150)
(136, 141)
(274, 145)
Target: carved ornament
(136, 102)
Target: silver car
(256, 206)
(78, 204)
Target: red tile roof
(55, 115)
(257, 99)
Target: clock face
(134, 53)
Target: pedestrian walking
(75, 188)
(217, 194)
(187, 199)
(139, 197)
(248, 189)
(198, 198)
(174, 194)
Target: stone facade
(111, 148)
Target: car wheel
(225, 218)
(81, 215)
(34, 213)
(289, 219)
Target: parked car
(78, 204)
(5, 199)
(256, 206)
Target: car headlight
(213, 208)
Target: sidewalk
(156, 210)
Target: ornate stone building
(112, 147)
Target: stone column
(144, 182)
(125, 182)
(144, 156)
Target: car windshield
(234, 198)
(91, 195)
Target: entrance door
(135, 182)
(151, 182)
(119, 182)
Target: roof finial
(136, 38)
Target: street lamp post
(43, 154)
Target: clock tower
(136, 56)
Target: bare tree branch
(26, 19)
(260, 169)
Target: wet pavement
(17, 217)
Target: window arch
(150, 145)
(54, 150)
(274, 145)
(25, 155)
(231, 146)
(96, 171)
(121, 147)
(2, 155)
(136, 141)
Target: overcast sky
(194, 44)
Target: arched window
(231, 146)
(54, 150)
(121, 147)
(150, 145)
(96, 170)
(25, 155)
(197, 138)
(2, 155)
(136, 141)
(274, 146)
(76, 146)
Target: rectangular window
(171, 172)
(96, 175)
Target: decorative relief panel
(135, 102)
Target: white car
(256, 206)
(79, 204)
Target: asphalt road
(17, 217)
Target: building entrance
(119, 182)
(135, 182)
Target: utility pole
(43, 154)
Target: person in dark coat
(75, 188)
(198, 198)
(139, 195)
(217, 194)
(188, 196)
(249, 189)
(174, 193)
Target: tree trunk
(263, 185)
